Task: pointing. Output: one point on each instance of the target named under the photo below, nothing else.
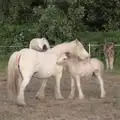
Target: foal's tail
(12, 83)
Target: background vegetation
(94, 21)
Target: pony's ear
(44, 47)
(76, 40)
(68, 54)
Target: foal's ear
(68, 54)
(114, 42)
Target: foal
(78, 69)
(109, 52)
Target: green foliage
(58, 27)
(102, 15)
(80, 14)
(15, 35)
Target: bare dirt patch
(92, 108)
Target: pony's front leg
(58, 94)
(81, 96)
(58, 76)
(72, 93)
(20, 98)
(41, 92)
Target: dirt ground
(92, 108)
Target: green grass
(8, 33)
(3, 65)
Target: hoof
(71, 97)
(103, 96)
(81, 97)
(40, 97)
(59, 97)
(21, 103)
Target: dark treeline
(57, 20)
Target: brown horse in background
(109, 52)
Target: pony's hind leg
(41, 92)
(72, 93)
(19, 81)
(81, 96)
(20, 98)
(101, 85)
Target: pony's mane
(62, 44)
(62, 48)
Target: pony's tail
(12, 83)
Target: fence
(6, 51)
(90, 46)
(95, 50)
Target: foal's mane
(72, 57)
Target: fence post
(89, 49)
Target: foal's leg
(72, 93)
(20, 98)
(81, 96)
(107, 63)
(101, 85)
(111, 61)
(41, 92)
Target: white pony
(39, 44)
(24, 64)
(78, 69)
